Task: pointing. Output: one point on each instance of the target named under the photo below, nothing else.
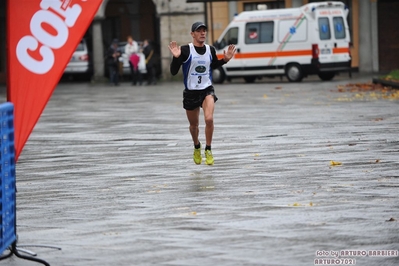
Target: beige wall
(220, 13)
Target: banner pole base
(15, 251)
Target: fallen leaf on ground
(335, 163)
(296, 204)
(391, 220)
(367, 91)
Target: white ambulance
(295, 42)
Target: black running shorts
(193, 99)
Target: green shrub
(393, 75)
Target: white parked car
(80, 61)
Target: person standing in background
(131, 48)
(113, 55)
(134, 61)
(150, 62)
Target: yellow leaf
(264, 96)
(334, 163)
(296, 204)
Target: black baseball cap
(198, 25)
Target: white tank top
(197, 69)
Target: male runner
(198, 60)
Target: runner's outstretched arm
(180, 54)
(226, 56)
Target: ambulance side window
(231, 37)
(259, 32)
(339, 28)
(252, 33)
(266, 29)
(324, 29)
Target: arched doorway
(125, 17)
(388, 35)
(137, 18)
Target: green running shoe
(209, 157)
(197, 155)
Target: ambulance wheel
(294, 72)
(250, 79)
(326, 76)
(218, 75)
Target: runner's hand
(231, 50)
(175, 49)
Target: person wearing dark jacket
(113, 55)
(198, 60)
(148, 52)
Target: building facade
(373, 29)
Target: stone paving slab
(107, 175)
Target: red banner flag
(42, 35)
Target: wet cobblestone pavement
(107, 175)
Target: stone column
(232, 10)
(98, 51)
(365, 38)
(98, 44)
(374, 36)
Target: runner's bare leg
(209, 107)
(193, 119)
